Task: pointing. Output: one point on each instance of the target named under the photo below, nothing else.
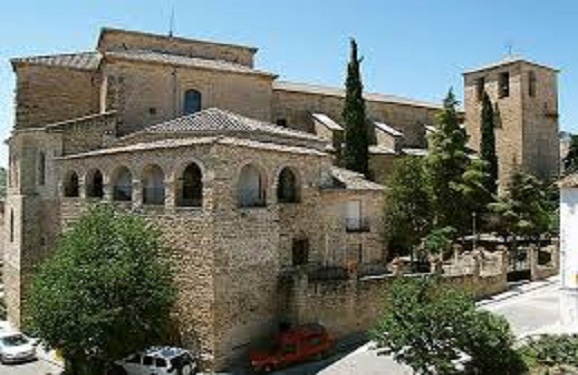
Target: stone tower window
(287, 187)
(191, 192)
(192, 102)
(95, 184)
(281, 122)
(153, 190)
(504, 85)
(41, 168)
(71, 185)
(122, 185)
(11, 226)
(300, 252)
(251, 187)
(480, 87)
(531, 83)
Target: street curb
(543, 284)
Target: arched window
(122, 185)
(251, 188)
(153, 185)
(71, 185)
(287, 187)
(192, 102)
(191, 194)
(41, 168)
(94, 184)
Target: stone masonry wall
(151, 93)
(296, 107)
(123, 40)
(45, 95)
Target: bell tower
(525, 99)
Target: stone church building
(236, 168)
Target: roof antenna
(509, 50)
(172, 20)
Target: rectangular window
(504, 85)
(480, 87)
(531, 83)
(281, 122)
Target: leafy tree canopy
(106, 292)
(570, 162)
(408, 206)
(427, 325)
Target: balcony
(357, 224)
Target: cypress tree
(355, 153)
(488, 145)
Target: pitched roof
(183, 60)
(381, 150)
(508, 61)
(80, 61)
(325, 120)
(215, 120)
(188, 142)
(334, 91)
(351, 181)
(387, 129)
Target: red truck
(292, 346)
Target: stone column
(137, 193)
(170, 195)
(533, 260)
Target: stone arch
(288, 186)
(94, 182)
(190, 189)
(71, 184)
(251, 187)
(122, 184)
(153, 185)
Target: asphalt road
(30, 368)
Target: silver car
(16, 347)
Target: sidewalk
(518, 289)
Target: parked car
(16, 347)
(158, 361)
(292, 346)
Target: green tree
(408, 206)
(570, 161)
(106, 292)
(488, 145)
(446, 164)
(523, 211)
(356, 150)
(427, 325)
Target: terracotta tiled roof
(350, 180)
(387, 129)
(189, 142)
(381, 150)
(334, 91)
(215, 120)
(327, 121)
(508, 61)
(183, 60)
(81, 61)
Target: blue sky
(414, 48)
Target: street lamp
(474, 235)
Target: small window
(480, 87)
(531, 83)
(504, 85)
(152, 111)
(41, 169)
(160, 362)
(281, 122)
(11, 226)
(314, 341)
(300, 252)
(147, 361)
(192, 102)
(71, 185)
